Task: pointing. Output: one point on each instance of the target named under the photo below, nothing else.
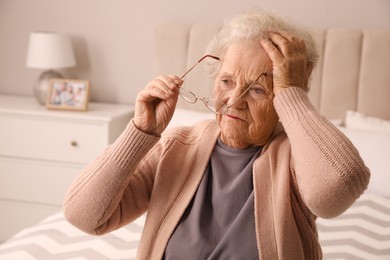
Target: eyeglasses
(246, 90)
(212, 104)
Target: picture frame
(68, 94)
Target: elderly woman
(247, 185)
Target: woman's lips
(234, 117)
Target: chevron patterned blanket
(362, 232)
(54, 238)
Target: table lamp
(49, 51)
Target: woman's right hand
(156, 104)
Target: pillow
(185, 117)
(358, 120)
(374, 148)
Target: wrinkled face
(252, 118)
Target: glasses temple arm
(243, 93)
(204, 57)
(188, 71)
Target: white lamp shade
(48, 50)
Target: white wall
(114, 39)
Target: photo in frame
(68, 94)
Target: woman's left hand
(289, 60)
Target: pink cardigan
(307, 170)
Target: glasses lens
(187, 95)
(215, 105)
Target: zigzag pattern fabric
(54, 238)
(362, 232)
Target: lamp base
(41, 86)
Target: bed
(350, 86)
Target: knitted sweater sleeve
(327, 168)
(110, 191)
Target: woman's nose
(237, 99)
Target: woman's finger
(162, 87)
(155, 91)
(171, 81)
(162, 84)
(284, 34)
(155, 104)
(286, 45)
(272, 51)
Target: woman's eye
(258, 90)
(227, 82)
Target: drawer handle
(74, 143)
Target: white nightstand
(41, 152)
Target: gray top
(219, 222)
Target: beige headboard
(353, 72)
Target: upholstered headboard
(353, 72)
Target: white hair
(252, 25)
